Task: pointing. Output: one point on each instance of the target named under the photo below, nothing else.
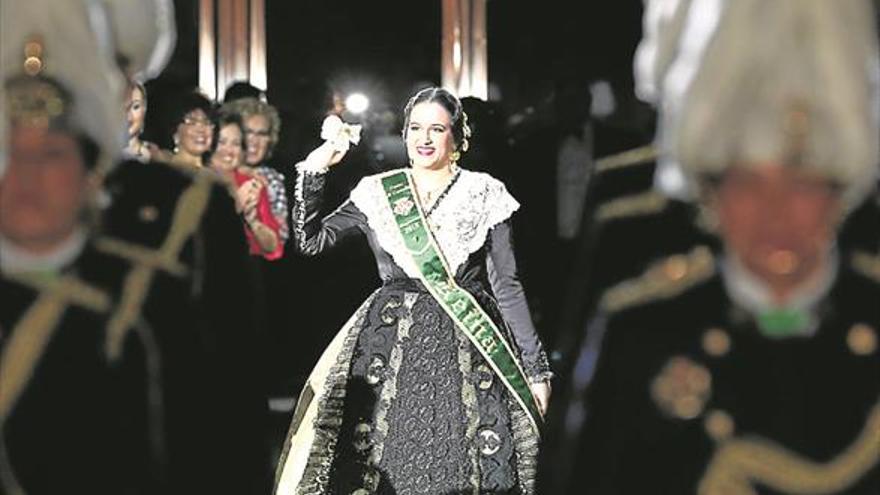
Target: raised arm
(312, 233)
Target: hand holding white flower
(340, 134)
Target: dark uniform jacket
(861, 230)
(151, 363)
(193, 282)
(73, 418)
(627, 224)
(677, 391)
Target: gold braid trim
(34, 330)
(141, 255)
(867, 264)
(74, 290)
(740, 463)
(663, 280)
(187, 216)
(167, 159)
(631, 206)
(627, 158)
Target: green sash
(457, 302)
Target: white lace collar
(461, 220)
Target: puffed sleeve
(314, 234)
(509, 292)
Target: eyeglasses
(257, 132)
(202, 122)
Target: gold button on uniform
(719, 425)
(862, 339)
(148, 213)
(716, 342)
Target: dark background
(543, 58)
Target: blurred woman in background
(135, 113)
(192, 122)
(248, 187)
(262, 126)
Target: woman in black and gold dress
(438, 382)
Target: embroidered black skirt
(422, 412)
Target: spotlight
(357, 103)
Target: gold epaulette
(868, 264)
(629, 158)
(631, 206)
(664, 279)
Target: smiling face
(778, 221)
(193, 134)
(135, 111)
(428, 135)
(229, 148)
(257, 131)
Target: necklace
(432, 193)
(429, 197)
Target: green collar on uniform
(782, 323)
(798, 317)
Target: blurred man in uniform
(190, 276)
(637, 207)
(753, 368)
(165, 248)
(73, 417)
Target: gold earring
(454, 158)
